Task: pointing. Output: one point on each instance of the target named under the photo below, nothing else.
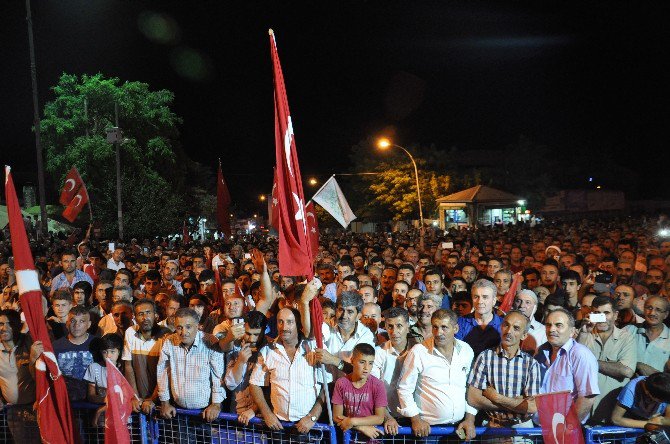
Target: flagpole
(325, 389)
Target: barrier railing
(189, 428)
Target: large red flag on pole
(54, 415)
(558, 418)
(222, 204)
(295, 256)
(119, 406)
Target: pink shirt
(359, 402)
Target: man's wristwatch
(340, 366)
(313, 418)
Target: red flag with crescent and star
(558, 418)
(295, 255)
(119, 406)
(54, 415)
(312, 228)
(74, 195)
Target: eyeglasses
(654, 309)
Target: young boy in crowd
(61, 303)
(644, 400)
(359, 399)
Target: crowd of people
(413, 333)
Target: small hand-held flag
(558, 419)
(222, 204)
(54, 415)
(295, 256)
(508, 299)
(74, 195)
(119, 406)
(312, 228)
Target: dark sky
(476, 75)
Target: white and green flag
(332, 200)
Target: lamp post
(384, 144)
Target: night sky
(475, 75)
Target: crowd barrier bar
(189, 428)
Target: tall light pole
(384, 144)
(36, 123)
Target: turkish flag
(54, 415)
(222, 204)
(295, 256)
(119, 406)
(71, 186)
(558, 419)
(508, 299)
(312, 228)
(76, 205)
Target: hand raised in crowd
(245, 352)
(390, 426)
(304, 425)
(167, 410)
(235, 332)
(258, 260)
(211, 412)
(36, 351)
(246, 416)
(272, 422)
(311, 290)
(420, 427)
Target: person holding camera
(615, 351)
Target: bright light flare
(383, 143)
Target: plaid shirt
(518, 375)
(191, 377)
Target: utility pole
(36, 124)
(115, 136)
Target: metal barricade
(5, 434)
(612, 435)
(447, 435)
(90, 433)
(188, 427)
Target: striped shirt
(60, 281)
(518, 375)
(294, 385)
(190, 377)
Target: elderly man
(566, 364)
(616, 353)
(189, 370)
(652, 338)
(433, 381)
(423, 329)
(481, 329)
(505, 379)
(526, 302)
(295, 384)
(170, 284)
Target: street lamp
(313, 181)
(261, 197)
(383, 144)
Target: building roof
(480, 194)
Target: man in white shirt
(526, 302)
(433, 381)
(116, 261)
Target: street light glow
(261, 197)
(383, 143)
(313, 181)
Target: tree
(153, 165)
(391, 191)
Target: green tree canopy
(152, 163)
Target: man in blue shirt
(70, 274)
(644, 400)
(481, 329)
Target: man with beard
(504, 380)
(616, 353)
(624, 296)
(141, 349)
(412, 304)
(388, 362)
(70, 274)
(469, 274)
(388, 279)
(654, 281)
(652, 337)
(433, 381)
(339, 340)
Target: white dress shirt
(294, 385)
(537, 335)
(387, 368)
(432, 386)
(335, 344)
